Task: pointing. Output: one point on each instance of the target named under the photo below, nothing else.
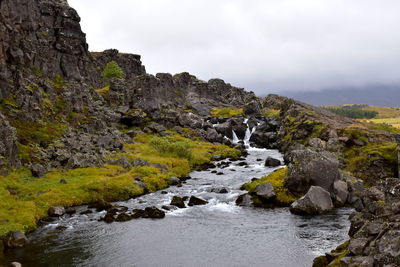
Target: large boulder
(309, 167)
(265, 191)
(15, 239)
(340, 192)
(316, 201)
(244, 200)
(191, 120)
(154, 213)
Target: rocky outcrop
(316, 201)
(8, 144)
(308, 168)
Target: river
(217, 234)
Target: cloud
(264, 46)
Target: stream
(217, 234)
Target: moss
(269, 112)
(26, 199)
(358, 157)
(104, 92)
(226, 112)
(277, 180)
(58, 83)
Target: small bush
(113, 70)
(226, 112)
(166, 145)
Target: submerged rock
(316, 201)
(15, 239)
(154, 213)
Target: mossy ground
(226, 112)
(277, 180)
(25, 199)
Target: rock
(190, 120)
(123, 217)
(244, 200)
(38, 170)
(272, 162)
(56, 211)
(340, 192)
(101, 205)
(220, 190)
(174, 181)
(194, 201)
(169, 207)
(109, 218)
(317, 143)
(316, 201)
(265, 191)
(15, 264)
(63, 181)
(15, 239)
(214, 136)
(156, 128)
(154, 213)
(70, 211)
(216, 157)
(356, 246)
(308, 167)
(178, 202)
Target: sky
(261, 45)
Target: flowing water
(217, 234)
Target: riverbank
(141, 167)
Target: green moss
(226, 112)
(269, 112)
(358, 157)
(277, 180)
(58, 83)
(37, 132)
(25, 199)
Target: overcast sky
(261, 45)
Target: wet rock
(70, 211)
(243, 163)
(178, 202)
(220, 173)
(154, 213)
(169, 207)
(340, 192)
(194, 201)
(244, 200)
(123, 217)
(220, 190)
(109, 218)
(272, 162)
(38, 170)
(265, 191)
(56, 211)
(174, 181)
(15, 264)
(357, 246)
(101, 205)
(316, 201)
(15, 239)
(86, 212)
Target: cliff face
(50, 82)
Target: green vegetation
(277, 179)
(226, 112)
(269, 112)
(26, 199)
(113, 70)
(104, 92)
(354, 113)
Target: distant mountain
(378, 95)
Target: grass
(277, 180)
(226, 112)
(104, 91)
(26, 199)
(269, 112)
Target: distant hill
(378, 95)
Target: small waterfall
(235, 139)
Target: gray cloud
(261, 45)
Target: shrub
(226, 112)
(181, 149)
(113, 70)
